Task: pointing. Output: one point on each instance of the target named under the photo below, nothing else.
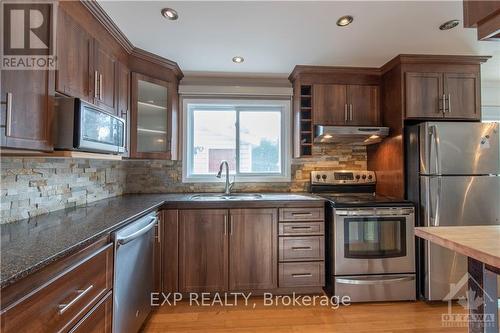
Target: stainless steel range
(370, 240)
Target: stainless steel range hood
(349, 135)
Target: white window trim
(286, 137)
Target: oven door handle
(371, 281)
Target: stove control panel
(343, 177)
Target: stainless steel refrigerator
(453, 175)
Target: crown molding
(98, 12)
(434, 59)
(156, 59)
(306, 69)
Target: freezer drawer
(374, 288)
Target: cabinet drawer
(58, 304)
(302, 214)
(301, 248)
(302, 274)
(300, 228)
(99, 319)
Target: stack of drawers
(301, 247)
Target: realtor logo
(469, 301)
(28, 32)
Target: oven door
(374, 241)
(99, 131)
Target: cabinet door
(150, 118)
(157, 254)
(424, 95)
(463, 96)
(170, 250)
(99, 319)
(203, 250)
(73, 59)
(363, 105)
(329, 104)
(123, 96)
(253, 261)
(104, 74)
(27, 96)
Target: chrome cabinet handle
(96, 83)
(345, 112)
(443, 104)
(225, 224)
(158, 230)
(8, 114)
(350, 112)
(302, 275)
(301, 228)
(302, 214)
(64, 307)
(231, 225)
(449, 103)
(297, 248)
(100, 87)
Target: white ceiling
(274, 36)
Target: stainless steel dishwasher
(133, 279)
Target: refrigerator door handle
(433, 132)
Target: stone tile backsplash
(33, 186)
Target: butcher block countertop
(478, 242)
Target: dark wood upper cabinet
(485, 16)
(74, 48)
(253, 261)
(424, 95)
(442, 95)
(150, 119)
(123, 103)
(203, 250)
(363, 104)
(337, 104)
(27, 98)
(329, 104)
(104, 74)
(463, 96)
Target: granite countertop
(29, 245)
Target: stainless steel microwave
(81, 126)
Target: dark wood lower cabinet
(99, 319)
(203, 250)
(253, 249)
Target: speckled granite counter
(28, 245)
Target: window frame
(239, 105)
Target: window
(251, 135)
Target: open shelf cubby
(306, 124)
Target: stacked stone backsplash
(33, 186)
(166, 176)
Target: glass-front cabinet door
(150, 118)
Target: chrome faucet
(229, 185)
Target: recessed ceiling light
(170, 14)
(344, 20)
(449, 25)
(238, 60)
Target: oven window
(374, 237)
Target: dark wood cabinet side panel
(477, 11)
(170, 256)
(253, 262)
